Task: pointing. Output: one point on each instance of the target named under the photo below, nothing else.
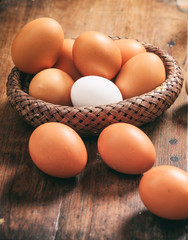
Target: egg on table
(126, 148)
(164, 192)
(57, 150)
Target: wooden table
(99, 203)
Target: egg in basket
(90, 82)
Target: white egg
(94, 91)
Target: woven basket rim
(173, 71)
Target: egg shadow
(3, 5)
(32, 197)
(149, 128)
(101, 181)
(146, 226)
(31, 186)
(180, 115)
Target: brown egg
(94, 53)
(65, 61)
(57, 150)
(129, 48)
(141, 74)
(164, 191)
(52, 85)
(37, 46)
(125, 148)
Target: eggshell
(164, 191)
(141, 74)
(94, 53)
(129, 48)
(37, 45)
(126, 149)
(57, 150)
(65, 61)
(52, 85)
(186, 86)
(93, 91)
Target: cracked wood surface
(99, 203)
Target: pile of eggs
(92, 70)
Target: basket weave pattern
(91, 120)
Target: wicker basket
(91, 120)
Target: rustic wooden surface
(99, 203)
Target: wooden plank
(100, 203)
(30, 201)
(115, 208)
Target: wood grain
(99, 203)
